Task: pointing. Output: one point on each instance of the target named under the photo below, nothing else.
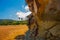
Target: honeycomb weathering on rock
(46, 14)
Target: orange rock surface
(11, 31)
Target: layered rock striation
(45, 23)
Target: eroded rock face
(20, 37)
(46, 14)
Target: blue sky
(9, 8)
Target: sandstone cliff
(46, 14)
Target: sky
(12, 9)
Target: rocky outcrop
(46, 14)
(20, 37)
(33, 26)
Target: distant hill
(11, 22)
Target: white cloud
(27, 8)
(24, 14)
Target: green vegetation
(11, 22)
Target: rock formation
(20, 37)
(45, 23)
